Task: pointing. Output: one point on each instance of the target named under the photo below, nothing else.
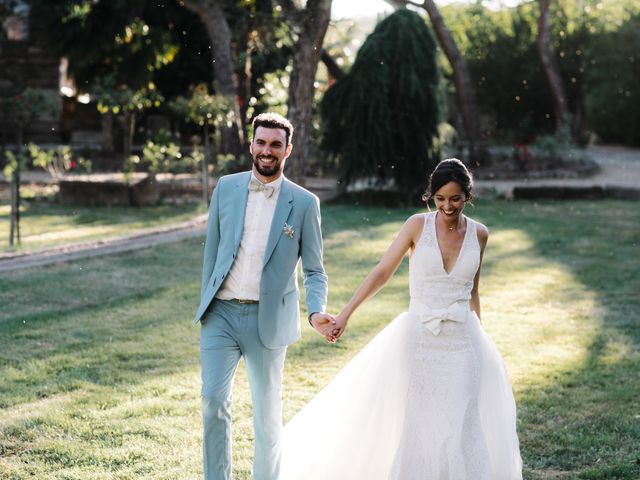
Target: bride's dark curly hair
(450, 170)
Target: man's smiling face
(269, 150)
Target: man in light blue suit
(260, 226)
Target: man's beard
(267, 171)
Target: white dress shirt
(243, 280)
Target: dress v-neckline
(464, 241)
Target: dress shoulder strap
(472, 227)
(427, 228)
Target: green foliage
(55, 161)
(161, 41)
(504, 63)
(24, 106)
(381, 120)
(595, 42)
(612, 98)
(15, 162)
(161, 155)
(58, 161)
(121, 99)
(265, 40)
(555, 143)
(203, 108)
(551, 151)
(209, 112)
(129, 39)
(228, 163)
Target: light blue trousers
(230, 331)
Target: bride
(428, 398)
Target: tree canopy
(595, 44)
(381, 120)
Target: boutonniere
(288, 230)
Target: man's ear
(287, 151)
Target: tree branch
(333, 68)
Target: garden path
(619, 169)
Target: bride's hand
(338, 328)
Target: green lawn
(99, 374)
(46, 225)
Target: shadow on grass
(582, 423)
(579, 421)
(104, 321)
(123, 320)
(100, 216)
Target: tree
(174, 44)
(209, 112)
(23, 108)
(131, 42)
(381, 120)
(310, 24)
(465, 92)
(501, 52)
(613, 92)
(550, 66)
(126, 103)
(213, 16)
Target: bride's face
(450, 200)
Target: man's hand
(338, 327)
(323, 323)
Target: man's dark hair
(273, 120)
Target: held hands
(323, 323)
(339, 326)
(329, 327)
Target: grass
(46, 225)
(99, 374)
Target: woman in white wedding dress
(428, 398)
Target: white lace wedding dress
(427, 399)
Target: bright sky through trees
(367, 8)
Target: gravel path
(142, 239)
(619, 168)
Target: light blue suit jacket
(278, 310)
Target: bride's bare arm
(483, 236)
(380, 275)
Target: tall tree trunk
(106, 122)
(550, 66)
(14, 216)
(462, 80)
(465, 92)
(246, 77)
(128, 129)
(14, 228)
(213, 17)
(311, 26)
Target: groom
(260, 225)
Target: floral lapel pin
(288, 230)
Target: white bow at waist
(433, 317)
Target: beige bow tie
(256, 186)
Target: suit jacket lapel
(283, 208)
(241, 194)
